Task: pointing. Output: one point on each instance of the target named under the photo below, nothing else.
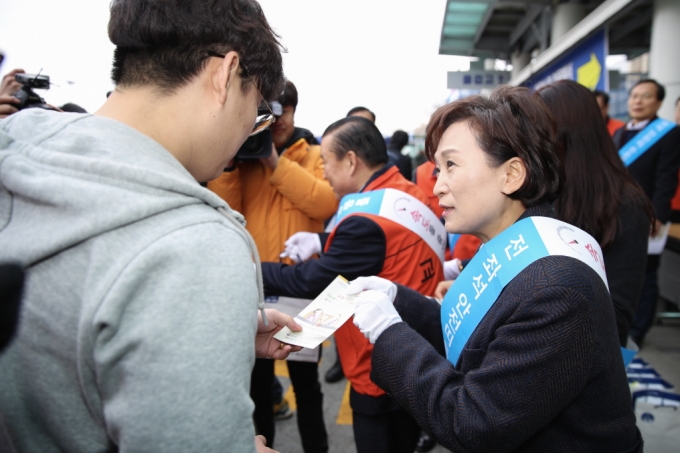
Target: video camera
(260, 145)
(28, 97)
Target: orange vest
(467, 245)
(613, 124)
(409, 260)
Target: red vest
(409, 260)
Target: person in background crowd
(140, 325)
(675, 202)
(362, 244)
(362, 112)
(656, 170)
(603, 103)
(335, 372)
(9, 86)
(279, 196)
(397, 141)
(534, 365)
(600, 197)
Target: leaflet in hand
(331, 309)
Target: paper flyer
(658, 241)
(292, 306)
(321, 318)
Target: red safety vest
(409, 260)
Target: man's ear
(352, 160)
(515, 174)
(222, 74)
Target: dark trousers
(381, 425)
(304, 377)
(649, 300)
(393, 432)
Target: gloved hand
(376, 283)
(301, 246)
(373, 313)
(452, 269)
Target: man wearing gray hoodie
(139, 323)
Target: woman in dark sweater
(523, 353)
(599, 195)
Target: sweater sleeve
(307, 191)
(532, 357)
(175, 345)
(358, 249)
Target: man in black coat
(657, 172)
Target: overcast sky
(381, 54)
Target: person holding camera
(280, 195)
(9, 86)
(143, 308)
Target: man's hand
(266, 346)
(9, 84)
(8, 105)
(301, 246)
(442, 289)
(261, 445)
(273, 160)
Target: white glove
(452, 269)
(301, 246)
(373, 313)
(376, 283)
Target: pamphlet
(321, 318)
(658, 241)
(292, 306)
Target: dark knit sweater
(541, 373)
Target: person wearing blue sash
(523, 353)
(650, 148)
(599, 195)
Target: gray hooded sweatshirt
(139, 312)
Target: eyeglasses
(262, 120)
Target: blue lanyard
(644, 140)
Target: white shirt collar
(637, 127)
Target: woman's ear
(515, 175)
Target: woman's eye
(437, 171)
(449, 164)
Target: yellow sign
(589, 74)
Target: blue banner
(585, 63)
(644, 140)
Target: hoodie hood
(87, 175)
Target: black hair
(165, 43)
(603, 95)
(71, 107)
(508, 124)
(360, 109)
(597, 182)
(660, 89)
(398, 140)
(355, 133)
(289, 97)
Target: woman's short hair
(356, 133)
(507, 124)
(166, 43)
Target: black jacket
(657, 169)
(542, 372)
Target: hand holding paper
(373, 313)
(374, 283)
(266, 346)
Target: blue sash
(500, 260)
(401, 208)
(644, 140)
